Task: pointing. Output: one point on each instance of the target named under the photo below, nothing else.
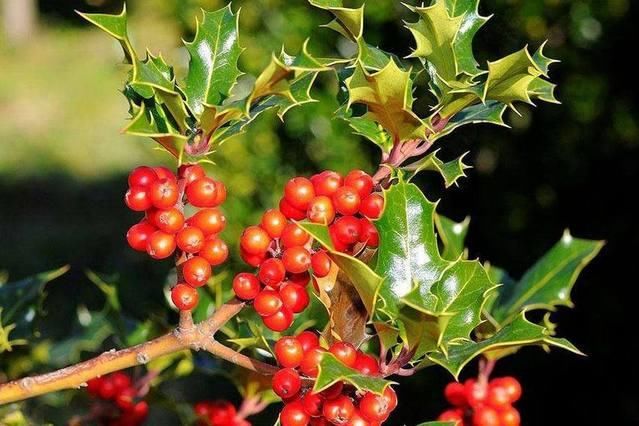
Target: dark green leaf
(490, 112)
(453, 236)
(451, 171)
(332, 371)
(367, 128)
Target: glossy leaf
(214, 53)
(548, 283)
(510, 77)
(332, 371)
(490, 112)
(367, 128)
(453, 236)
(116, 27)
(451, 171)
(520, 332)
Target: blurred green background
(63, 166)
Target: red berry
(326, 183)
(125, 399)
(509, 417)
(164, 193)
(366, 364)
(288, 352)
(190, 239)
(391, 398)
(94, 385)
(293, 236)
(107, 390)
(454, 415)
(333, 391)
(221, 413)
(321, 210)
(210, 221)
(279, 321)
(337, 244)
(299, 192)
(347, 229)
(170, 220)
(255, 240)
(293, 414)
(368, 234)
(273, 222)
(361, 181)
(160, 245)
(291, 212)
(358, 420)
(372, 206)
(215, 251)
(286, 383)
(202, 192)
(497, 396)
(138, 198)
(184, 297)
(311, 360)
(164, 173)
(138, 235)
(312, 404)
(296, 260)
(254, 260)
(373, 407)
(301, 278)
(191, 172)
(120, 380)
(272, 272)
(346, 201)
(308, 340)
(142, 176)
(455, 393)
(294, 297)
(246, 286)
(220, 193)
(196, 271)
(339, 410)
(267, 302)
(344, 352)
(321, 264)
(140, 411)
(485, 416)
(512, 386)
(475, 392)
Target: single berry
(347, 229)
(170, 220)
(293, 236)
(272, 272)
(190, 239)
(372, 206)
(321, 264)
(294, 297)
(246, 286)
(321, 210)
(138, 198)
(339, 410)
(288, 352)
(279, 321)
(142, 176)
(368, 234)
(512, 386)
(311, 360)
(312, 404)
(273, 222)
(509, 417)
(267, 302)
(125, 399)
(255, 240)
(184, 297)
(296, 260)
(361, 181)
(366, 364)
(308, 340)
(202, 192)
(210, 221)
(138, 235)
(358, 420)
(253, 260)
(391, 398)
(191, 172)
(337, 244)
(164, 193)
(94, 385)
(326, 183)
(286, 383)
(346, 201)
(120, 380)
(215, 251)
(373, 407)
(454, 415)
(220, 193)
(164, 173)
(485, 416)
(196, 271)
(333, 391)
(498, 396)
(160, 245)
(302, 278)
(293, 414)
(475, 392)
(299, 192)
(344, 352)
(291, 212)
(455, 393)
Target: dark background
(560, 166)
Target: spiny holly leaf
(21, 301)
(6, 341)
(543, 62)
(453, 236)
(470, 25)
(518, 333)
(367, 128)
(387, 95)
(451, 171)
(151, 120)
(115, 26)
(214, 52)
(332, 371)
(548, 283)
(490, 112)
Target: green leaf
(115, 26)
(518, 333)
(214, 53)
(548, 283)
(470, 25)
(332, 371)
(387, 95)
(451, 171)
(510, 77)
(543, 62)
(151, 120)
(367, 128)
(453, 236)
(490, 112)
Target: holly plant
(355, 279)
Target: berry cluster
(218, 413)
(284, 253)
(165, 230)
(488, 404)
(120, 404)
(340, 404)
